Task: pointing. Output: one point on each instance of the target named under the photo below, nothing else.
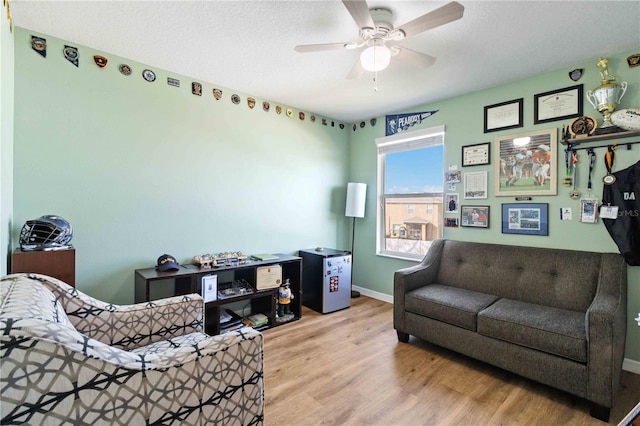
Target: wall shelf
(598, 138)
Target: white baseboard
(373, 294)
(629, 365)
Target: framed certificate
(502, 116)
(476, 155)
(475, 186)
(558, 104)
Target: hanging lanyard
(592, 163)
(609, 159)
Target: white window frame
(405, 141)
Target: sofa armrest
(606, 324)
(198, 379)
(128, 326)
(408, 279)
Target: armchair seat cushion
(556, 331)
(452, 305)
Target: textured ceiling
(248, 46)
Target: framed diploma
(558, 104)
(506, 115)
(476, 155)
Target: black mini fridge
(326, 279)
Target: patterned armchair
(69, 358)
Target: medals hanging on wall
(71, 54)
(567, 181)
(575, 194)
(196, 88)
(266, 106)
(39, 44)
(609, 159)
(251, 102)
(589, 204)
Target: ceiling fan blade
(359, 12)
(414, 58)
(356, 71)
(318, 47)
(443, 15)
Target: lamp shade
(356, 198)
(375, 58)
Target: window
(410, 192)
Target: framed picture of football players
(525, 164)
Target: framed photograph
(451, 200)
(525, 218)
(558, 104)
(526, 164)
(476, 155)
(475, 216)
(503, 116)
(475, 186)
(450, 222)
(452, 176)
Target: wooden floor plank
(348, 368)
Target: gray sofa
(554, 316)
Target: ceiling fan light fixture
(375, 58)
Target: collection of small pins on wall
(72, 55)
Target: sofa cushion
(564, 279)
(452, 305)
(552, 330)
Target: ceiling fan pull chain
(375, 81)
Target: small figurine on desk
(284, 301)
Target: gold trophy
(606, 97)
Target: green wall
(463, 118)
(6, 140)
(141, 169)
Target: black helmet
(45, 232)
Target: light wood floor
(348, 368)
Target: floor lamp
(356, 198)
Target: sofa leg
(402, 336)
(599, 412)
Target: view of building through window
(411, 176)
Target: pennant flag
(401, 122)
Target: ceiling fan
(380, 37)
